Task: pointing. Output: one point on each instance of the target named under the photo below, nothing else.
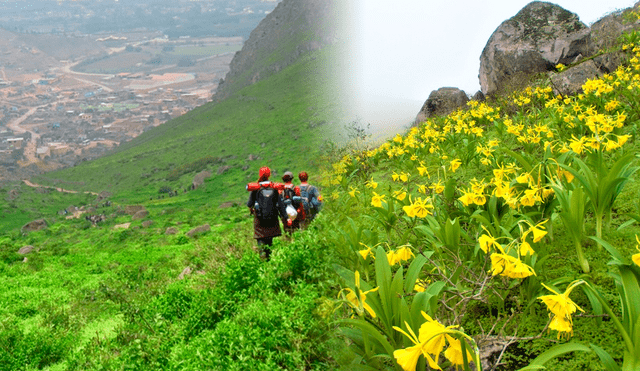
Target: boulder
(122, 226)
(442, 102)
(571, 80)
(609, 62)
(171, 231)
(478, 97)
(227, 204)
(25, 250)
(223, 169)
(33, 226)
(147, 223)
(141, 214)
(102, 196)
(198, 230)
(185, 272)
(133, 209)
(535, 40)
(198, 180)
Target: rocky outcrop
(198, 230)
(571, 81)
(442, 102)
(141, 214)
(198, 180)
(535, 40)
(26, 250)
(33, 226)
(292, 29)
(133, 209)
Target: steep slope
(293, 29)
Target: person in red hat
(292, 201)
(311, 199)
(266, 205)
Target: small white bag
(291, 212)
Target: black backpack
(266, 206)
(289, 194)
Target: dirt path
(34, 185)
(31, 145)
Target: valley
(58, 111)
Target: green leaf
(413, 272)
(556, 351)
(605, 358)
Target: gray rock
(102, 196)
(609, 62)
(147, 223)
(25, 250)
(171, 231)
(227, 204)
(571, 80)
(535, 40)
(198, 180)
(185, 272)
(133, 209)
(478, 97)
(141, 214)
(35, 225)
(223, 169)
(198, 230)
(442, 102)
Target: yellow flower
(353, 191)
(636, 257)
(366, 252)
(399, 195)
(466, 198)
(392, 258)
(423, 170)
(487, 242)
(404, 253)
(562, 307)
(509, 266)
(420, 285)
(407, 358)
(537, 230)
(454, 353)
(455, 164)
(377, 199)
(437, 187)
(525, 248)
(359, 304)
(335, 195)
(420, 208)
(371, 184)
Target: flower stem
(584, 264)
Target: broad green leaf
(556, 351)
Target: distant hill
(278, 118)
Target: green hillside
(506, 232)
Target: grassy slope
(100, 297)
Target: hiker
(293, 202)
(311, 199)
(266, 205)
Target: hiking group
(271, 202)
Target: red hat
(265, 172)
(303, 176)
